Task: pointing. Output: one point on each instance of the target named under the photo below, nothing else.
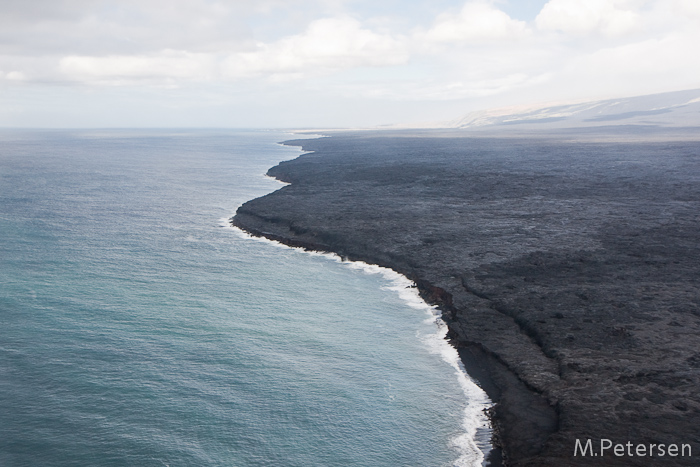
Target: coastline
(472, 361)
(338, 201)
(491, 457)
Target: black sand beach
(566, 264)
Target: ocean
(140, 329)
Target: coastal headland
(567, 265)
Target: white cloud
(349, 50)
(15, 76)
(667, 61)
(92, 27)
(328, 44)
(608, 17)
(167, 67)
(476, 21)
(685, 7)
(455, 89)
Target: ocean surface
(138, 329)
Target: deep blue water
(137, 330)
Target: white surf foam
(473, 444)
(276, 180)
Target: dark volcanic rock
(567, 270)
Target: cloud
(167, 67)
(666, 60)
(449, 90)
(690, 7)
(476, 22)
(328, 44)
(14, 76)
(351, 50)
(108, 27)
(608, 17)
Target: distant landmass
(670, 109)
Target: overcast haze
(329, 63)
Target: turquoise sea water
(139, 330)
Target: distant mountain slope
(672, 109)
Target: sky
(329, 63)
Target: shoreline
(473, 365)
(520, 242)
(492, 457)
(479, 365)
